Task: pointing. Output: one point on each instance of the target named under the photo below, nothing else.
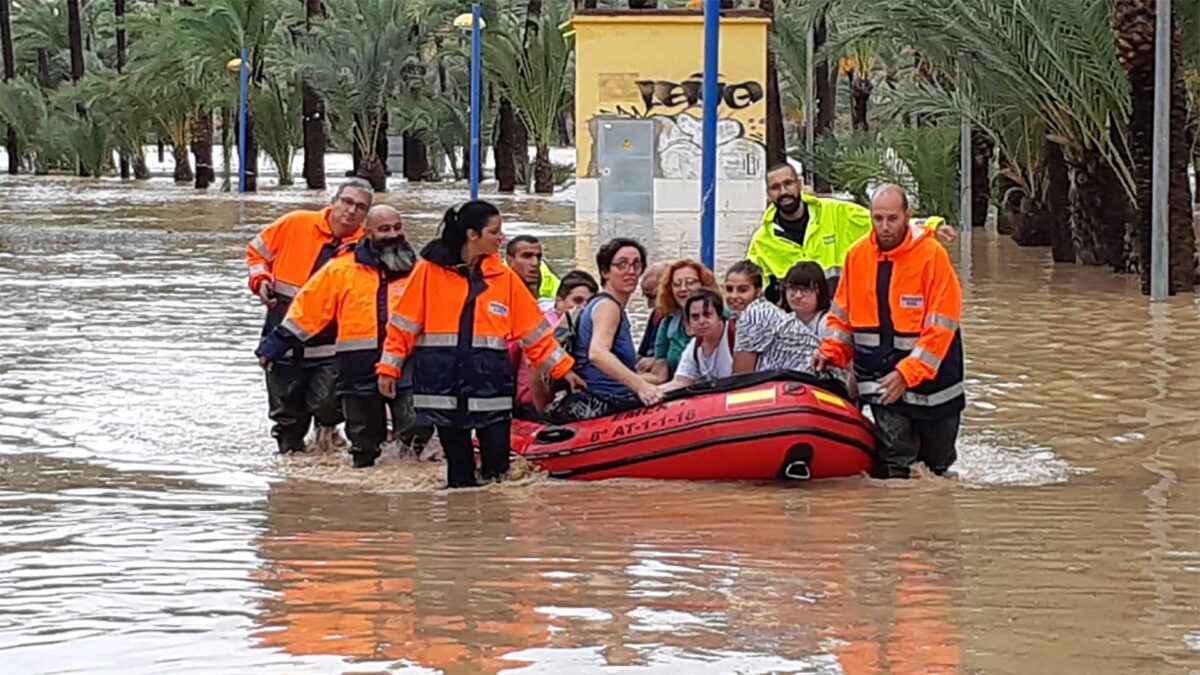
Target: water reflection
(145, 523)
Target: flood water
(147, 527)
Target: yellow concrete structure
(648, 64)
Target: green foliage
(277, 124)
(357, 59)
(922, 160)
(536, 77)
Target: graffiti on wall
(675, 108)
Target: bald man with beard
(358, 290)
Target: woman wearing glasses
(787, 340)
(679, 281)
(605, 356)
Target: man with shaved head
(355, 292)
(895, 318)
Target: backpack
(567, 330)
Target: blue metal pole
(244, 72)
(476, 86)
(708, 165)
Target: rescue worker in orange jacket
(300, 384)
(354, 292)
(896, 316)
(452, 324)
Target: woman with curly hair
(680, 280)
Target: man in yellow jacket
(799, 226)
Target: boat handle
(798, 470)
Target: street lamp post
(474, 22)
(240, 64)
(708, 159)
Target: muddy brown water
(146, 527)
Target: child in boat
(777, 340)
(709, 355)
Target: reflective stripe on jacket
(899, 310)
(355, 293)
(833, 227)
(289, 252)
(454, 325)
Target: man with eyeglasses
(650, 280)
(281, 259)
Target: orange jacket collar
(327, 229)
(904, 246)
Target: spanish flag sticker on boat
(829, 399)
(747, 397)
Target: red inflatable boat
(764, 426)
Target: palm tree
(1134, 30)
(75, 38)
(212, 33)
(354, 60)
(6, 45)
(776, 136)
(537, 79)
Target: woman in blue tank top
(605, 356)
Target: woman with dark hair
(460, 304)
(709, 354)
(788, 340)
(603, 348)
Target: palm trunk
(140, 170)
(982, 149)
(381, 142)
(75, 41)
(43, 70)
(416, 159)
(1062, 247)
(313, 110)
(6, 45)
(860, 100)
(543, 172)
(506, 168)
(183, 164)
(119, 13)
(1099, 212)
(826, 94)
(521, 152)
(202, 148)
(776, 136)
(1010, 195)
(1134, 30)
(251, 150)
(1182, 234)
(371, 171)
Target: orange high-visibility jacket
(899, 310)
(356, 293)
(454, 324)
(288, 252)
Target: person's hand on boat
(574, 382)
(893, 386)
(820, 362)
(265, 363)
(266, 293)
(387, 386)
(644, 364)
(649, 393)
(947, 234)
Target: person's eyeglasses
(800, 290)
(681, 284)
(351, 204)
(626, 266)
